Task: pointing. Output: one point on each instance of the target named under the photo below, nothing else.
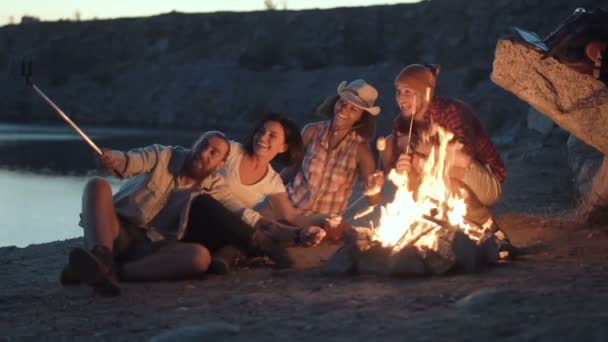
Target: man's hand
(111, 161)
(311, 236)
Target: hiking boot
(506, 250)
(95, 268)
(492, 227)
(68, 277)
(264, 244)
(223, 259)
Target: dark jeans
(214, 226)
(132, 244)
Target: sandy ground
(555, 292)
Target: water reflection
(37, 208)
(43, 171)
(59, 150)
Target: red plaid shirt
(458, 118)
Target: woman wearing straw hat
(336, 152)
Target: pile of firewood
(454, 251)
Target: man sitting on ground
(141, 226)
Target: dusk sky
(89, 9)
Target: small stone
(375, 260)
(343, 262)
(210, 331)
(484, 298)
(468, 255)
(407, 262)
(490, 250)
(435, 263)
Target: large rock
(594, 208)
(539, 122)
(583, 161)
(578, 103)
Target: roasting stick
(350, 206)
(380, 146)
(409, 134)
(427, 98)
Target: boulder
(583, 161)
(576, 102)
(539, 122)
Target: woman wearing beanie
(478, 167)
(336, 152)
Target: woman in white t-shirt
(253, 180)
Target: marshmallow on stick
(376, 188)
(381, 144)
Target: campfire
(424, 230)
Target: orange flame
(414, 217)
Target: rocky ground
(554, 292)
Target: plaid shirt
(326, 177)
(459, 118)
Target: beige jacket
(152, 173)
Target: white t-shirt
(249, 195)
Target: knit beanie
(419, 77)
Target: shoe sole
(85, 265)
(88, 269)
(68, 278)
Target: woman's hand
(459, 160)
(311, 236)
(334, 227)
(404, 163)
(374, 183)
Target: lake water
(43, 170)
(38, 208)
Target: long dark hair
(365, 126)
(295, 148)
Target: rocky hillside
(223, 69)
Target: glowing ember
(416, 217)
